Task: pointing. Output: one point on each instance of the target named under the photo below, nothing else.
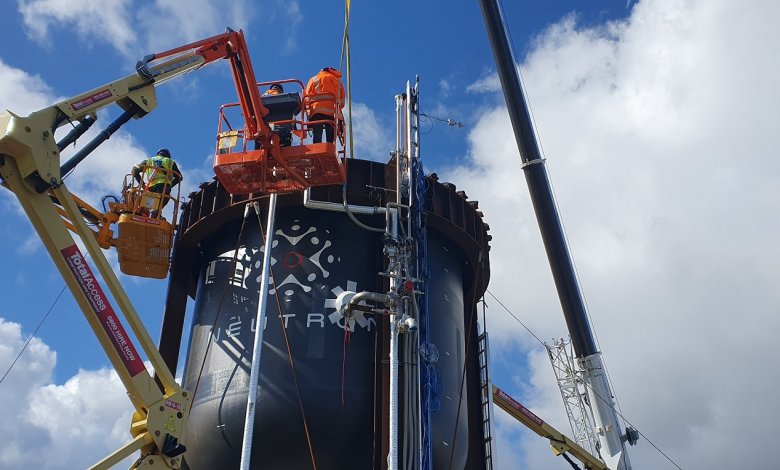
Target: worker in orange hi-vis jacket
(274, 89)
(324, 100)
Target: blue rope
(431, 385)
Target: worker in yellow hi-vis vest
(160, 173)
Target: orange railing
(290, 160)
(139, 200)
(228, 136)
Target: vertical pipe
(408, 155)
(422, 412)
(392, 253)
(411, 145)
(399, 102)
(392, 456)
(254, 376)
(409, 402)
(415, 416)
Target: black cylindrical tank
(316, 255)
(445, 303)
(338, 380)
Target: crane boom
(608, 428)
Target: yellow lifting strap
(345, 51)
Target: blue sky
(71, 58)
(656, 118)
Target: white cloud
(90, 407)
(56, 426)
(106, 20)
(32, 371)
(30, 245)
(659, 134)
(371, 139)
(487, 84)
(128, 26)
(290, 15)
(445, 88)
(188, 21)
(21, 92)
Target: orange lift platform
(287, 161)
(145, 236)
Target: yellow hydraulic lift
(560, 444)
(30, 167)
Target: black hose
(352, 216)
(103, 136)
(77, 131)
(571, 462)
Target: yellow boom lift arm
(30, 168)
(559, 443)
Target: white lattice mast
(569, 378)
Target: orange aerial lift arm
(99, 222)
(230, 45)
(30, 167)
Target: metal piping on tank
(337, 207)
(348, 209)
(394, 270)
(351, 209)
(399, 102)
(396, 252)
(407, 155)
(348, 301)
(400, 159)
(412, 143)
